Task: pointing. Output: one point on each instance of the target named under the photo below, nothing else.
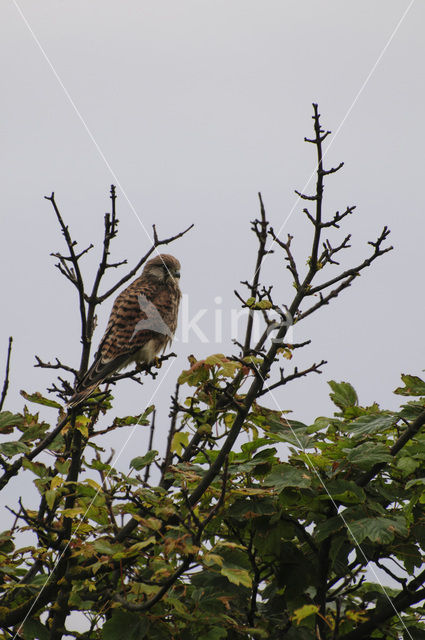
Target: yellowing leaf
(56, 481)
(210, 559)
(304, 612)
(179, 441)
(93, 484)
(71, 513)
(141, 545)
(216, 358)
(81, 424)
(237, 576)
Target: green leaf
(414, 386)
(140, 419)
(367, 454)
(134, 627)
(281, 431)
(415, 482)
(143, 461)
(10, 449)
(34, 432)
(345, 491)
(38, 468)
(327, 528)
(34, 630)
(39, 399)
(369, 424)
(344, 395)
(252, 507)
(6, 543)
(103, 546)
(286, 475)
(380, 529)
(50, 496)
(320, 423)
(198, 373)
(9, 420)
(408, 465)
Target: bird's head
(163, 267)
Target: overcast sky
(196, 106)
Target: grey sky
(197, 106)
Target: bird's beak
(177, 274)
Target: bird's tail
(81, 395)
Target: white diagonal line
(93, 499)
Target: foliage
(258, 526)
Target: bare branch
(286, 246)
(74, 260)
(6, 375)
(150, 445)
(354, 271)
(326, 299)
(58, 365)
(168, 457)
(260, 229)
(305, 197)
(315, 368)
(337, 218)
(328, 172)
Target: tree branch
(6, 375)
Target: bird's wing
(136, 319)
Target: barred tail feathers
(80, 396)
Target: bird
(142, 323)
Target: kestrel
(142, 322)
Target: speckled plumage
(142, 322)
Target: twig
(151, 434)
(168, 457)
(58, 365)
(6, 375)
(315, 368)
(260, 229)
(74, 260)
(286, 246)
